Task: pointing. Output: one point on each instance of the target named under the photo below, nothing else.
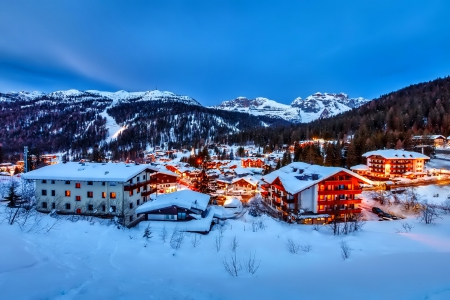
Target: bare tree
(234, 244)
(195, 240)
(406, 228)
(163, 234)
(218, 242)
(177, 238)
(233, 267)
(306, 248)
(292, 246)
(251, 265)
(345, 250)
(429, 213)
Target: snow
(83, 260)
(396, 154)
(120, 172)
(184, 199)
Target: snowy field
(80, 260)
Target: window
(44, 181)
(112, 195)
(131, 218)
(53, 205)
(90, 207)
(90, 194)
(137, 179)
(138, 190)
(77, 185)
(103, 195)
(103, 207)
(67, 193)
(181, 216)
(113, 208)
(78, 210)
(131, 193)
(53, 182)
(67, 182)
(78, 198)
(90, 183)
(44, 192)
(131, 205)
(44, 204)
(143, 177)
(138, 202)
(103, 183)
(53, 193)
(67, 206)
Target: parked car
(386, 216)
(377, 210)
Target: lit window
(103, 195)
(67, 193)
(78, 210)
(131, 193)
(112, 195)
(77, 185)
(78, 198)
(90, 194)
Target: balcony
(277, 204)
(340, 192)
(342, 211)
(339, 202)
(338, 182)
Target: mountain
(316, 106)
(122, 122)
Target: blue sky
(218, 50)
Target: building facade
(97, 189)
(395, 163)
(321, 193)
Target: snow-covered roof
(232, 202)
(360, 168)
(119, 172)
(395, 154)
(430, 137)
(184, 198)
(249, 179)
(163, 170)
(242, 171)
(299, 176)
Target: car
(386, 216)
(377, 210)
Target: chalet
(394, 163)
(98, 189)
(252, 162)
(247, 183)
(163, 181)
(242, 172)
(363, 170)
(436, 140)
(321, 193)
(182, 205)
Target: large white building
(101, 189)
(392, 163)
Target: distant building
(251, 162)
(435, 140)
(395, 163)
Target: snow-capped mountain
(119, 96)
(316, 106)
(261, 107)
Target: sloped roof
(186, 199)
(395, 154)
(294, 182)
(119, 172)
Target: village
(200, 187)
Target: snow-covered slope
(316, 106)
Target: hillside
(386, 122)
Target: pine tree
(13, 198)
(329, 152)
(351, 158)
(148, 232)
(278, 164)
